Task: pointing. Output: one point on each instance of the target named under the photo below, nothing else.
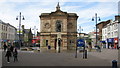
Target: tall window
(2, 27)
(46, 42)
(58, 26)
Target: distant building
(110, 34)
(58, 25)
(38, 33)
(82, 35)
(8, 33)
(92, 36)
(27, 36)
(99, 27)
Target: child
(15, 53)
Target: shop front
(115, 43)
(103, 44)
(110, 43)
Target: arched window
(58, 26)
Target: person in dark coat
(98, 48)
(8, 55)
(5, 47)
(12, 48)
(15, 53)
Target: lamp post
(34, 30)
(96, 18)
(118, 33)
(19, 17)
(119, 25)
(80, 29)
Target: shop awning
(110, 40)
(102, 41)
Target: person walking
(8, 54)
(11, 49)
(98, 48)
(15, 53)
(5, 47)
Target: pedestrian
(15, 53)
(4, 46)
(8, 54)
(11, 48)
(98, 48)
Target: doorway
(55, 44)
(46, 42)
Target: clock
(47, 25)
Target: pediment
(60, 13)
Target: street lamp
(119, 25)
(80, 29)
(96, 18)
(19, 17)
(34, 30)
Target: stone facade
(100, 26)
(26, 36)
(60, 25)
(7, 33)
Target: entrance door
(46, 42)
(55, 44)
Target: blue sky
(31, 9)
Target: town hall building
(58, 29)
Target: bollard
(49, 47)
(85, 54)
(114, 64)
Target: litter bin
(114, 64)
(85, 54)
(49, 47)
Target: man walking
(5, 47)
(8, 55)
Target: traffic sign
(80, 42)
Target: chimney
(23, 27)
(117, 17)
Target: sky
(31, 10)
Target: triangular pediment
(58, 13)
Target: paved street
(64, 59)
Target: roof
(7, 24)
(72, 14)
(58, 12)
(45, 14)
(27, 30)
(103, 22)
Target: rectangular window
(46, 42)
(6, 28)
(2, 27)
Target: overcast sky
(31, 9)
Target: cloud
(31, 9)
